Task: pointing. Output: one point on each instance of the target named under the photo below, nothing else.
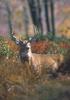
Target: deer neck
(30, 53)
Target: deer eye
(27, 48)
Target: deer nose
(24, 57)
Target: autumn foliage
(40, 46)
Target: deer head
(25, 48)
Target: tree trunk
(9, 19)
(47, 15)
(43, 18)
(39, 15)
(52, 17)
(25, 19)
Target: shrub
(4, 49)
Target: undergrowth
(4, 49)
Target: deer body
(38, 61)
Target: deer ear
(28, 45)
